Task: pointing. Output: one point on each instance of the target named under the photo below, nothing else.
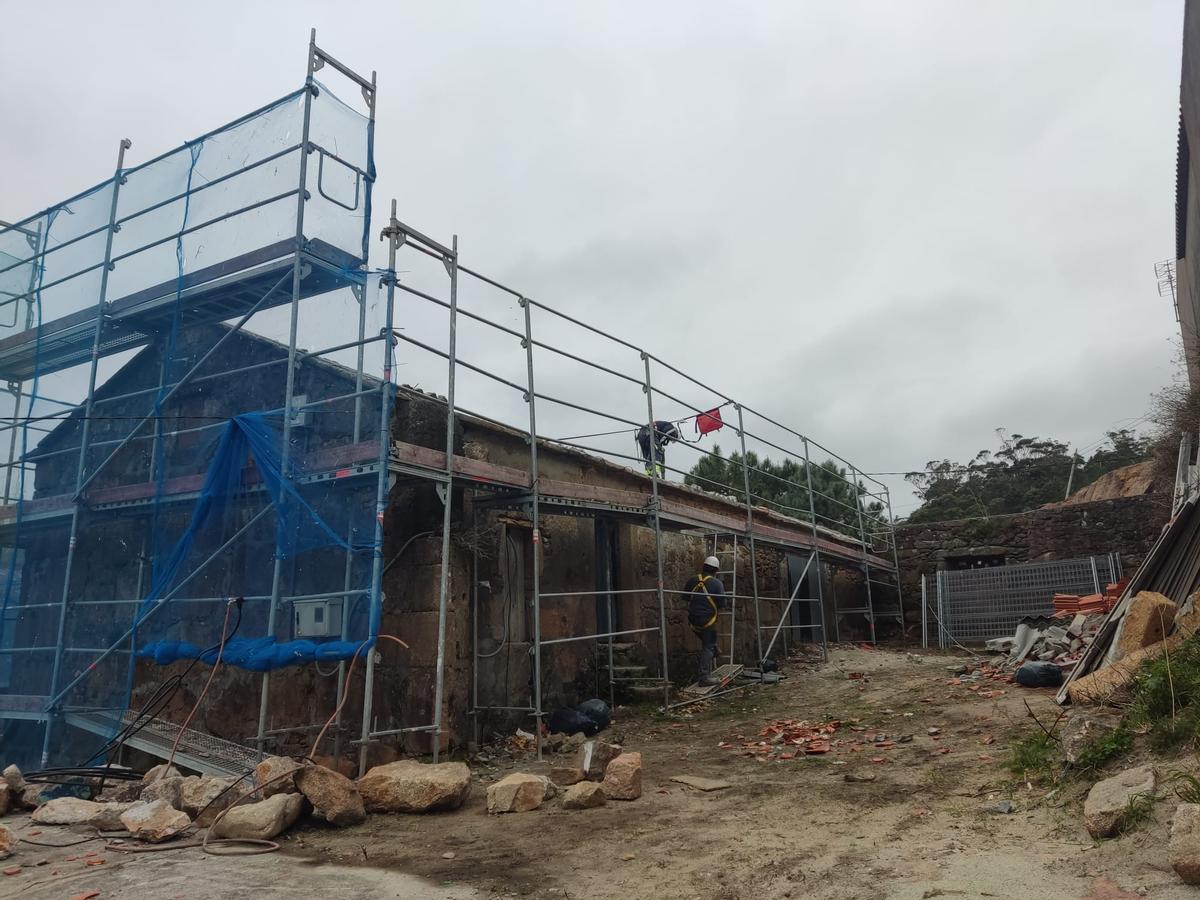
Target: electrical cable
(157, 702)
(208, 683)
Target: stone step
(626, 671)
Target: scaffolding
(137, 265)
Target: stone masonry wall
(1127, 526)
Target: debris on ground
(785, 739)
(701, 784)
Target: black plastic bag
(1039, 674)
(597, 712)
(568, 721)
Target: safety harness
(700, 585)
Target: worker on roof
(652, 440)
(706, 597)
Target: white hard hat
(712, 562)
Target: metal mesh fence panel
(975, 605)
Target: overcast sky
(895, 226)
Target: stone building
(594, 533)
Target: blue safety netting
(205, 278)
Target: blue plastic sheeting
(298, 526)
(187, 430)
(256, 654)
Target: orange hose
(346, 690)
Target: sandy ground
(786, 829)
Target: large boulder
(583, 795)
(65, 811)
(270, 773)
(1108, 801)
(593, 757)
(33, 796)
(517, 792)
(203, 797)
(565, 776)
(169, 789)
(122, 791)
(6, 798)
(333, 796)
(8, 842)
(107, 816)
(262, 820)
(162, 770)
(14, 779)
(623, 777)
(414, 787)
(154, 821)
(1183, 850)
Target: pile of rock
(165, 803)
(601, 772)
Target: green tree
(783, 487)
(1023, 473)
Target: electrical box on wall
(318, 618)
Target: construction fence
(975, 605)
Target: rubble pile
(787, 739)
(1043, 639)
(600, 772)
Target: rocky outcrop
(262, 820)
(408, 786)
(333, 796)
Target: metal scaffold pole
(750, 536)
(395, 237)
(656, 519)
(535, 519)
(812, 511)
(285, 453)
(81, 467)
(887, 494)
(862, 534)
(451, 264)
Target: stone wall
(1127, 526)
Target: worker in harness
(652, 440)
(706, 597)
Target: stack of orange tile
(1066, 605)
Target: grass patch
(1096, 754)
(1138, 810)
(1187, 787)
(1166, 697)
(1033, 757)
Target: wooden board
(722, 674)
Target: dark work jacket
(700, 610)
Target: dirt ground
(794, 828)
